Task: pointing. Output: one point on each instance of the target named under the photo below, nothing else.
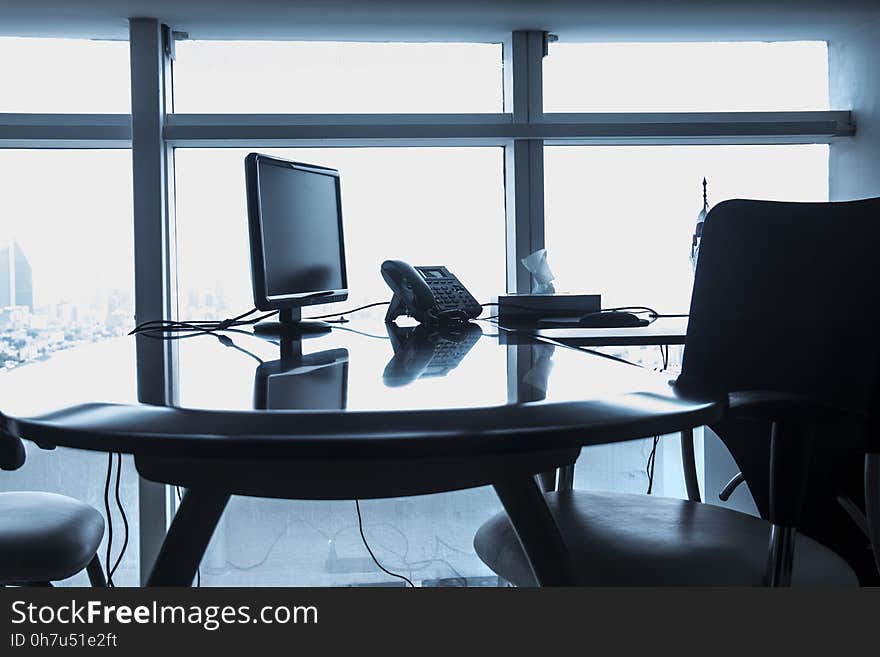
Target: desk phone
(432, 295)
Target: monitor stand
(290, 325)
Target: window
(69, 284)
(619, 219)
(64, 75)
(332, 77)
(686, 77)
(423, 205)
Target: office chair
(783, 321)
(45, 537)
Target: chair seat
(641, 540)
(46, 537)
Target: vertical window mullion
(523, 158)
(152, 186)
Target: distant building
(14, 318)
(120, 315)
(16, 283)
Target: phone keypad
(449, 294)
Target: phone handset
(412, 296)
(431, 295)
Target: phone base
(396, 308)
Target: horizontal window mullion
(695, 140)
(292, 129)
(65, 130)
(114, 130)
(181, 120)
(688, 125)
(341, 142)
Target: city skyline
(31, 332)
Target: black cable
(163, 326)
(199, 326)
(259, 563)
(255, 320)
(206, 324)
(121, 513)
(364, 333)
(109, 518)
(636, 310)
(352, 311)
(157, 334)
(203, 325)
(649, 468)
(226, 341)
(357, 505)
(664, 354)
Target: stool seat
(46, 537)
(641, 540)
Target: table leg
(689, 465)
(537, 531)
(566, 478)
(188, 537)
(547, 481)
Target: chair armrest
(789, 407)
(12, 454)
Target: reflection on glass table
(295, 381)
(424, 351)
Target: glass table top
(354, 366)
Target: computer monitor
(297, 249)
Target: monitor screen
(296, 231)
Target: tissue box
(514, 308)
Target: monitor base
(290, 325)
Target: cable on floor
(373, 556)
(109, 519)
(649, 468)
(121, 513)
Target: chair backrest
(786, 298)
